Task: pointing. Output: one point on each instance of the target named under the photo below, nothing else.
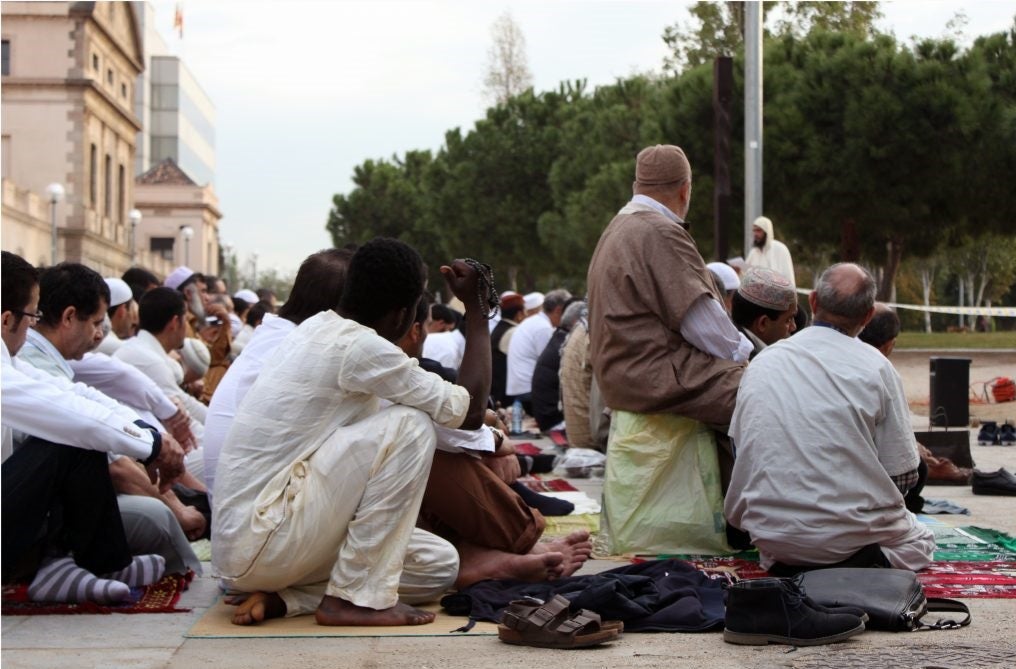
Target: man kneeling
(317, 492)
(824, 446)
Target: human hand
(463, 281)
(179, 426)
(505, 467)
(192, 522)
(168, 467)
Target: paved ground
(152, 641)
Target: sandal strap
(581, 620)
(539, 617)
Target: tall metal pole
(55, 192)
(752, 118)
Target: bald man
(825, 449)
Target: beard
(759, 243)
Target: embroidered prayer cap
(510, 299)
(247, 295)
(119, 292)
(726, 273)
(767, 288)
(533, 300)
(661, 164)
(178, 276)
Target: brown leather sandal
(529, 622)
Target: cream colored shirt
(328, 373)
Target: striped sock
(63, 581)
(143, 570)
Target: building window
(162, 247)
(108, 184)
(93, 177)
(123, 90)
(6, 57)
(122, 190)
(109, 76)
(95, 62)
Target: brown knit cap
(661, 164)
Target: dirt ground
(914, 368)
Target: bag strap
(937, 605)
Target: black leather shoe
(994, 483)
(774, 610)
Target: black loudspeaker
(949, 404)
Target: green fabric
(661, 489)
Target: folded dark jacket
(655, 596)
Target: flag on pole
(178, 20)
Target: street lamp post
(227, 256)
(254, 270)
(55, 192)
(134, 216)
(187, 232)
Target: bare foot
(257, 607)
(576, 548)
(336, 611)
(478, 564)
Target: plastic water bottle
(517, 417)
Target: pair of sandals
(531, 622)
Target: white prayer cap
(178, 276)
(119, 292)
(196, 356)
(533, 300)
(247, 295)
(728, 277)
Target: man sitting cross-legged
(317, 492)
(468, 501)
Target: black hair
(112, 310)
(240, 305)
(883, 327)
(444, 313)
(139, 279)
(385, 275)
(193, 279)
(70, 284)
(509, 313)
(744, 312)
(257, 313)
(318, 285)
(157, 308)
(18, 277)
(423, 309)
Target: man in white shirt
(153, 520)
(317, 288)
(317, 492)
(163, 329)
(58, 478)
(527, 343)
(825, 448)
(123, 316)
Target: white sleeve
(708, 328)
(54, 409)
(122, 382)
(451, 440)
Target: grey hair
(555, 298)
(576, 310)
(848, 299)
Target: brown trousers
(465, 501)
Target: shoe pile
(1001, 483)
(993, 434)
(776, 610)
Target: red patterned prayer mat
(159, 597)
(536, 484)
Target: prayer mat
(159, 597)
(561, 526)
(537, 484)
(215, 624)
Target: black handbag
(893, 598)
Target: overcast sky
(304, 91)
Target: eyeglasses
(36, 317)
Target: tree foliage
(875, 151)
(507, 65)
